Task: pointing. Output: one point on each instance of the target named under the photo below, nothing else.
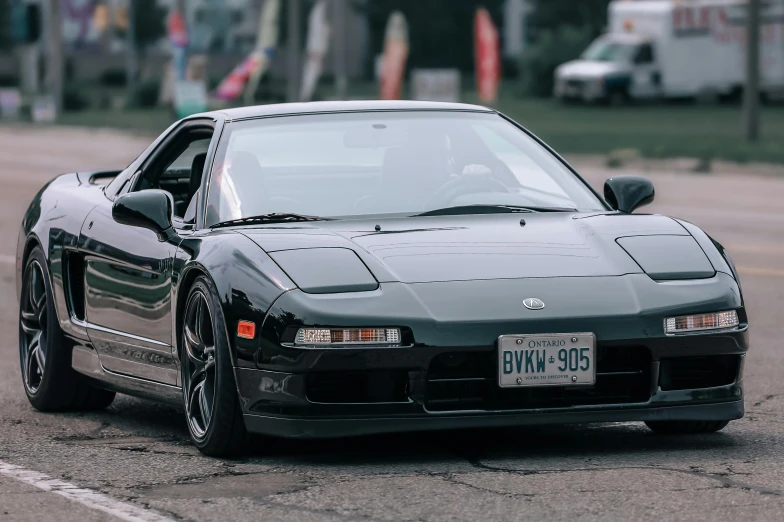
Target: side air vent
(103, 177)
(73, 271)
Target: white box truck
(675, 49)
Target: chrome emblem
(532, 303)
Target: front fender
(53, 220)
(247, 281)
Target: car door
(646, 76)
(128, 271)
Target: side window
(178, 177)
(180, 167)
(644, 54)
(172, 169)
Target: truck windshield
(605, 50)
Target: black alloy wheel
(212, 407)
(199, 364)
(33, 328)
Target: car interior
(178, 170)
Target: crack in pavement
(147, 505)
(316, 511)
(767, 398)
(195, 479)
(721, 477)
(450, 478)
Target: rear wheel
(44, 352)
(212, 407)
(686, 427)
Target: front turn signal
(246, 329)
(701, 322)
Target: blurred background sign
(44, 109)
(190, 97)
(436, 84)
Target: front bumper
(586, 90)
(347, 392)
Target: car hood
(588, 70)
(477, 247)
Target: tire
(686, 427)
(618, 98)
(50, 382)
(212, 407)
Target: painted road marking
(86, 497)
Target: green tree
(549, 15)
(5, 24)
(440, 32)
(558, 31)
(150, 23)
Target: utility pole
(339, 19)
(751, 118)
(292, 51)
(131, 59)
(55, 68)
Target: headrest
(197, 169)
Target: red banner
(178, 33)
(487, 55)
(393, 64)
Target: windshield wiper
(490, 209)
(273, 217)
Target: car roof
(283, 109)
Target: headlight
(701, 322)
(328, 336)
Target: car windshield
(606, 50)
(379, 163)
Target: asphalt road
(134, 460)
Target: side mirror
(151, 209)
(626, 193)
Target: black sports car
(331, 269)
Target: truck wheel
(734, 96)
(618, 98)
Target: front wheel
(212, 407)
(686, 427)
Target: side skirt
(85, 361)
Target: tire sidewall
(225, 388)
(57, 356)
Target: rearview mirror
(626, 193)
(150, 209)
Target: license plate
(546, 360)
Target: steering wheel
(465, 184)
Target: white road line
(86, 497)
